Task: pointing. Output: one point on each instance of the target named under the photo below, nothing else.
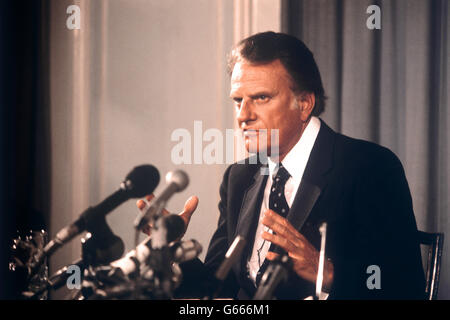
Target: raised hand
(189, 207)
(304, 255)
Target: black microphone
(142, 180)
(167, 228)
(101, 245)
(177, 181)
(276, 273)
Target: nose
(245, 113)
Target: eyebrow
(261, 93)
(254, 95)
(234, 96)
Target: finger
(271, 255)
(280, 241)
(284, 231)
(140, 204)
(280, 225)
(189, 207)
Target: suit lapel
(304, 201)
(314, 179)
(251, 205)
(248, 222)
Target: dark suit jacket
(360, 190)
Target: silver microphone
(231, 257)
(319, 281)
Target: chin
(254, 147)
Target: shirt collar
(296, 159)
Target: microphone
(56, 281)
(167, 229)
(180, 251)
(177, 181)
(101, 245)
(231, 257)
(142, 180)
(185, 250)
(277, 272)
(138, 262)
(133, 259)
(319, 281)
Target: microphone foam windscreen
(142, 180)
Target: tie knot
(282, 175)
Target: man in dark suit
(311, 175)
(357, 187)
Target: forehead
(271, 75)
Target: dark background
(25, 145)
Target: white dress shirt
(295, 163)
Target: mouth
(250, 133)
(255, 140)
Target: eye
(262, 98)
(237, 101)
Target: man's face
(263, 99)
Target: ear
(306, 102)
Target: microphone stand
(54, 282)
(156, 276)
(98, 247)
(60, 277)
(160, 260)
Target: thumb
(189, 207)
